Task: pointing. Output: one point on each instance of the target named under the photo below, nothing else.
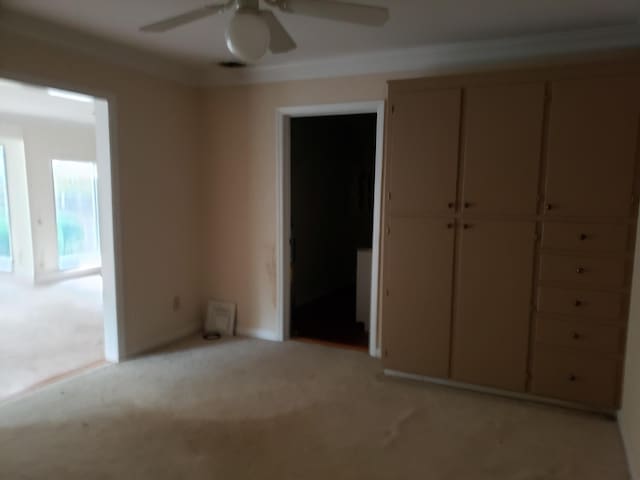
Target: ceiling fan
(253, 30)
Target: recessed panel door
(423, 153)
(502, 143)
(493, 304)
(592, 143)
(417, 284)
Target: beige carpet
(48, 330)
(248, 409)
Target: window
(76, 202)
(5, 234)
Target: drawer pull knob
(466, 226)
(467, 205)
(578, 303)
(548, 207)
(572, 378)
(580, 270)
(583, 236)
(449, 225)
(576, 336)
(451, 204)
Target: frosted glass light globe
(248, 36)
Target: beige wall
(240, 186)
(629, 415)
(157, 154)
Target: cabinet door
(592, 146)
(416, 310)
(493, 304)
(423, 152)
(503, 139)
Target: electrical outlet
(176, 303)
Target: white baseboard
(626, 444)
(58, 276)
(260, 333)
(163, 341)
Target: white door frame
(283, 205)
(109, 208)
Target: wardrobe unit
(509, 223)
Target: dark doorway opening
(332, 197)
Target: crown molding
(116, 53)
(437, 58)
(440, 58)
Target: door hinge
(385, 353)
(393, 109)
(388, 195)
(388, 230)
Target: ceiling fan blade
(340, 11)
(281, 41)
(184, 18)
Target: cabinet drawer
(579, 335)
(580, 303)
(583, 271)
(585, 237)
(575, 377)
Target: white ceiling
(413, 23)
(22, 99)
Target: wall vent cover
(221, 318)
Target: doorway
(329, 172)
(58, 301)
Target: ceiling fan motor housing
(248, 35)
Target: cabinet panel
(592, 141)
(424, 152)
(575, 377)
(417, 288)
(491, 326)
(502, 141)
(583, 271)
(585, 237)
(580, 303)
(579, 335)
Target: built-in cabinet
(423, 180)
(502, 133)
(492, 303)
(509, 220)
(419, 275)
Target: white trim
(436, 59)
(499, 392)
(260, 333)
(283, 206)
(60, 275)
(110, 230)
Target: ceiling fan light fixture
(248, 36)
